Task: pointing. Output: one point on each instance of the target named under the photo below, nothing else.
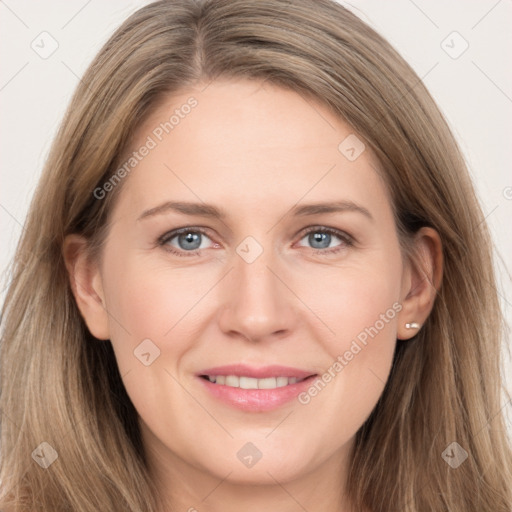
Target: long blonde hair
(61, 386)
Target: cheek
(145, 302)
(153, 318)
(360, 307)
(146, 291)
(355, 298)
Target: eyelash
(347, 240)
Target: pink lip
(256, 400)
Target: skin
(254, 151)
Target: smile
(244, 382)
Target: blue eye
(320, 238)
(184, 241)
(190, 241)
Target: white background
(474, 91)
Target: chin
(262, 473)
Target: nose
(257, 302)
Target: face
(248, 238)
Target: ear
(421, 281)
(86, 284)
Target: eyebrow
(208, 210)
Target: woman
(254, 275)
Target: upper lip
(258, 373)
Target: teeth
(247, 382)
(270, 382)
(232, 381)
(251, 383)
(282, 381)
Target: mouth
(246, 382)
(255, 389)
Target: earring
(412, 325)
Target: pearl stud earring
(412, 325)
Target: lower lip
(257, 400)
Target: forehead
(242, 144)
